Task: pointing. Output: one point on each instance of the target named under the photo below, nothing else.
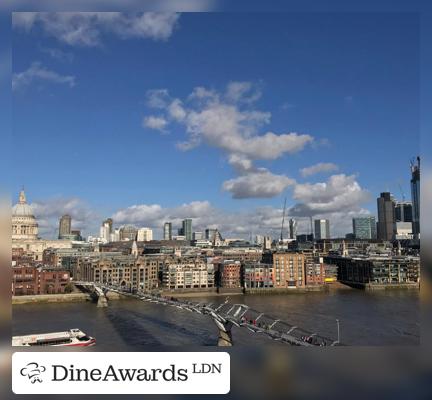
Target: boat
(72, 337)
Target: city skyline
(228, 141)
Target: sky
(147, 117)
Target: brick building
(258, 275)
(31, 280)
(127, 271)
(289, 269)
(228, 274)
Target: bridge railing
(240, 315)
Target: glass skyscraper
(167, 233)
(403, 211)
(187, 228)
(322, 229)
(364, 228)
(415, 196)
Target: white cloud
(204, 215)
(86, 28)
(157, 98)
(257, 184)
(37, 72)
(317, 168)
(341, 193)
(49, 211)
(241, 164)
(242, 92)
(226, 124)
(229, 121)
(58, 54)
(177, 111)
(261, 220)
(154, 122)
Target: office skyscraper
(167, 231)
(106, 230)
(364, 228)
(386, 217)
(403, 211)
(322, 229)
(415, 197)
(210, 234)
(65, 225)
(187, 228)
(292, 228)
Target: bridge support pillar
(225, 335)
(102, 301)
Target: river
(366, 318)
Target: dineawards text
(110, 373)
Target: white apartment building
(188, 275)
(144, 235)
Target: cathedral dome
(22, 210)
(24, 225)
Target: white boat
(73, 337)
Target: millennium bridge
(225, 316)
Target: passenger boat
(73, 337)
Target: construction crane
(283, 220)
(402, 192)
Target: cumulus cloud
(257, 184)
(341, 193)
(36, 72)
(58, 54)
(208, 116)
(153, 122)
(261, 220)
(157, 98)
(229, 121)
(50, 210)
(318, 168)
(242, 92)
(87, 28)
(204, 215)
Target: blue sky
(350, 82)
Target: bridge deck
(239, 315)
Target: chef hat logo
(33, 371)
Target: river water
(366, 318)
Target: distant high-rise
(144, 235)
(187, 228)
(322, 229)
(210, 233)
(415, 197)
(386, 217)
(403, 211)
(109, 222)
(106, 230)
(65, 226)
(292, 228)
(198, 236)
(364, 228)
(128, 232)
(167, 232)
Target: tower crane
(283, 221)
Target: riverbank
(52, 298)
(203, 293)
(385, 286)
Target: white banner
(120, 373)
